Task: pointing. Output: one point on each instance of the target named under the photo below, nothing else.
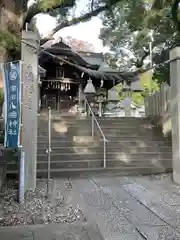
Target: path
(133, 207)
(114, 208)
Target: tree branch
(83, 18)
(140, 62)
(174, 12)
(92, 5)
(36, 9)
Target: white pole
(21, 189)
(151, 63)
(49, 150)
(150, 54)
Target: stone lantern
(100, 98)
(126, 89)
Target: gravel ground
(37, 208)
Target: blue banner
(12, 103)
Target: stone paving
(133, 207)
(114, 208)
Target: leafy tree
(125, 12)
(132, 25)
(16, 16)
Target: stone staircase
(133, 146)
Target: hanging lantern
(89, 88)
(113, 95)
(136, 86)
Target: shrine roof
(59, 48)
(63, 53)
(112, 75)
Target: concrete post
(29, 51)
(175, 112)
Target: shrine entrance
(59, 95)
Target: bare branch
(174, 12)
(140, 62)
(36, 9)
(83, 18)
(92, 5)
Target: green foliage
(9, 40)
(11, 43)
(148, 86)
(127, 31)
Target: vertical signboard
(12, 103)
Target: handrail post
(49, 150)
(85, 106)
(95, 120)
(92, 126)
(104, 153)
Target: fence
(157, 108)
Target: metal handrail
(48, 151)
(99, 127)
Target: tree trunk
(10, 13)
(10, 25)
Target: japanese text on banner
(12, 104)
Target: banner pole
(22, 153)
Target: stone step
(65, 120)
(86, 118)
(152, 157)
(105, 172)
(104, 128)
(89, 119)
(109, 133)
(42, 126)
(43, 143)
(109, 137)
(130, 130)
(94, 164)
(125, 124)
(99, 163)
(139, 138)
(123, 118)
(111, 149)
(132, 125)
(67, 138)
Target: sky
(88, 31)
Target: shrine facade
(62, 84)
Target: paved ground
(133, 207)
(114, 208)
